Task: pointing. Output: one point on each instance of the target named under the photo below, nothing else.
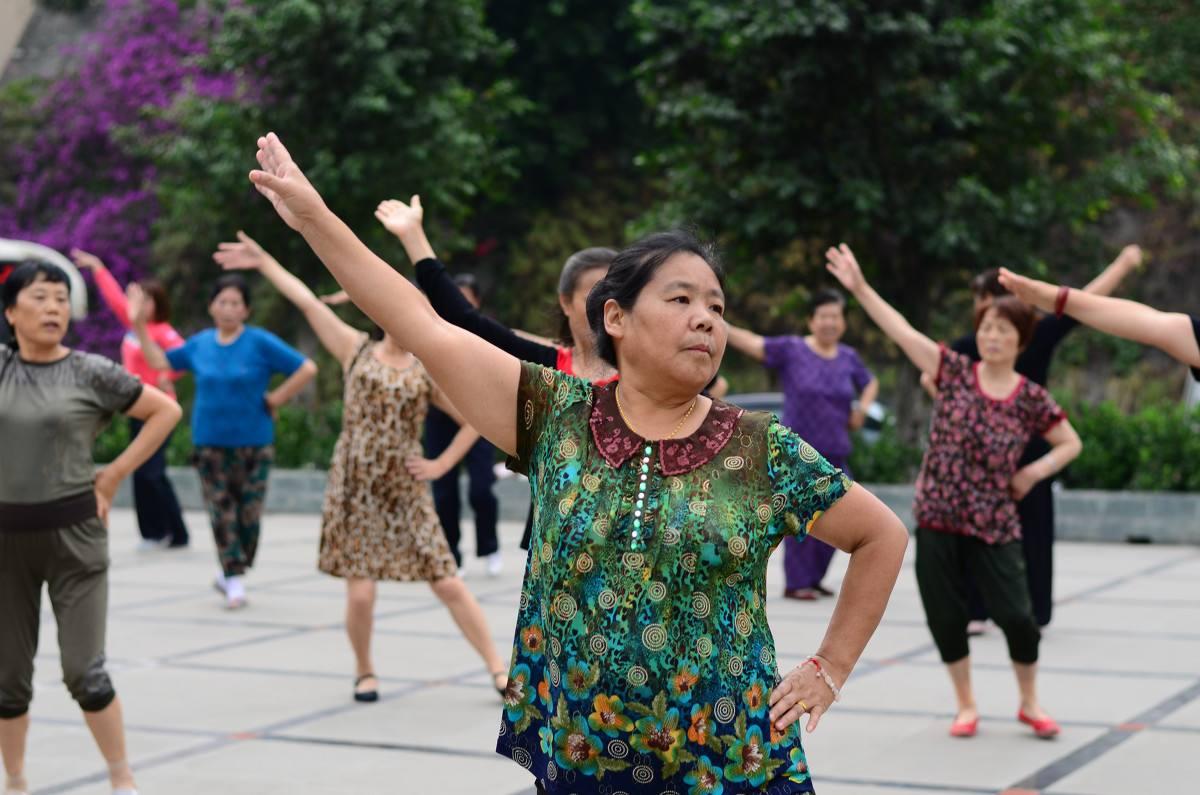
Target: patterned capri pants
(234, 480)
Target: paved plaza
(258, 701)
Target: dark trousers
(1037, 543)
(998, 571)
(440, 431)
(158, 513)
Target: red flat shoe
(1046, 727)
(964, 728)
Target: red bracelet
(1060, 303)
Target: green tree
(938, 138)
(376, 99)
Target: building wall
(14, 16)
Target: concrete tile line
(234, 644)
(1149, 603)
(1043, 669)
(381, 746)
(74, 723)
(1059, 769)
(1088, 593)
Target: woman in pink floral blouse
(966, 503)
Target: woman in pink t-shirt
(159, 518)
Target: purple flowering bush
(84, 180)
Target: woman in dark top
(54, 509)
(1037, 508)
(577, 354)
(969, 484)
(1174, 333)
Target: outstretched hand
(284, 184)
(245, 254)
(1132, 256)
(399, 218)
(1031, 291)
(842, 264)
(85, 260)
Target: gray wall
(1113, 516)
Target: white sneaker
(495, 564)
(235, 593)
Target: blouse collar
(617, 443)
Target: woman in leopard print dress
(378, 521)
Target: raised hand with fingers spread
(284, 184)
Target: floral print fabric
(975, 443)
(647, 666)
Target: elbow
(173, 412)
(308, 370)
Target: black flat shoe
(496, 676)
(365, 696)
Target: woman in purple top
(826, 389)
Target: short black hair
(233, 280)
(826, 295)
(23, 275)
(630, 272)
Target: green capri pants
(999, 573)
(73, 562)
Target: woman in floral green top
(643, 659)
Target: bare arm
(749, 343)
(339, 338)
(921, 351)
(863, 526)
(480, 379)
(292, 384)
(110, 291)
(870, 392)
(1170, 332)
(1111, 277)
(160, 414)
(1065, 447)
(432, 469)
(137, 316)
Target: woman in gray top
(54, 509)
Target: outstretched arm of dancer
(1171, 332)
(339, 338)
(160, 414)
(863, 526)
(110, 291)
(480, 379)
(406, 222)
(746, 341)
(153, 353)
(921, 350)
(1109, 279)
(1065, 447)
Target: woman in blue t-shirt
(233, 427)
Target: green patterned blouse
(643, 661)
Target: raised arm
(479, 378)
(749, 343)
(406, 222)
(1170, 332)
(154, 355)
(1109, 279)
(339, 338)
(110, 291)
(921, 351)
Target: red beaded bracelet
(822, 673)
(1060, 303)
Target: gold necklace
(621, 411)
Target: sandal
(496, 675)
(365, 696)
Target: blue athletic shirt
(230, 409)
